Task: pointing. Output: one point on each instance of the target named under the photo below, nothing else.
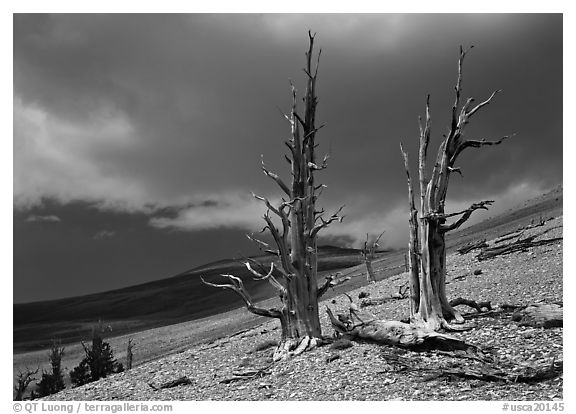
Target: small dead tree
(429, 306)
(129, 354)
(296, 234)
(23, 379)
(368, 252)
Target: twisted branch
(237, 286)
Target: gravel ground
(368, 371)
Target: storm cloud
(157, 115)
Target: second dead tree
(429, 306)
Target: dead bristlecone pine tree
(429, 307)
(294, 224)
(23, 380)
(368, 253)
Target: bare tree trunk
(427, 247)
(368, 252)
(129, 354)
(295, 239)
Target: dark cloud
(168, 115)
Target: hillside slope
(162, 302)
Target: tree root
(295, 346)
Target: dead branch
(330, 283)
(248, 374)
(184, 380)
(514, 235)
(269, 276)
(467, 248)
(476, 305)
(276, 178)
(403, 293)
(325, 223)
(482, 205)
(23, 380)
(237, 286)
(491, 373)
(517, 246)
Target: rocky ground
(368, 371)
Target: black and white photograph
(287, 207)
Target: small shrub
(265, 345)
(52, 382)
(342, 343)
(99, 361)
(363, 294)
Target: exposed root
(293, 347)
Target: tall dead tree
(294, 225)
(429, 306)
(368, 252)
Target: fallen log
(491, 373)
(540, 315)
(518, 245)
(467, 248)
(184, 380)
(394, 333)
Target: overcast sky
(138, 138)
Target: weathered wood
(368, 252)
(467, 248)
(184, 380)
(430, 308)
(394, 333)
(540, 315)
(498, 374)
(517, 246)
(23, 380)
(295, 230)
(476, 305)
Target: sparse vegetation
(99, 361)
(53, 381)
